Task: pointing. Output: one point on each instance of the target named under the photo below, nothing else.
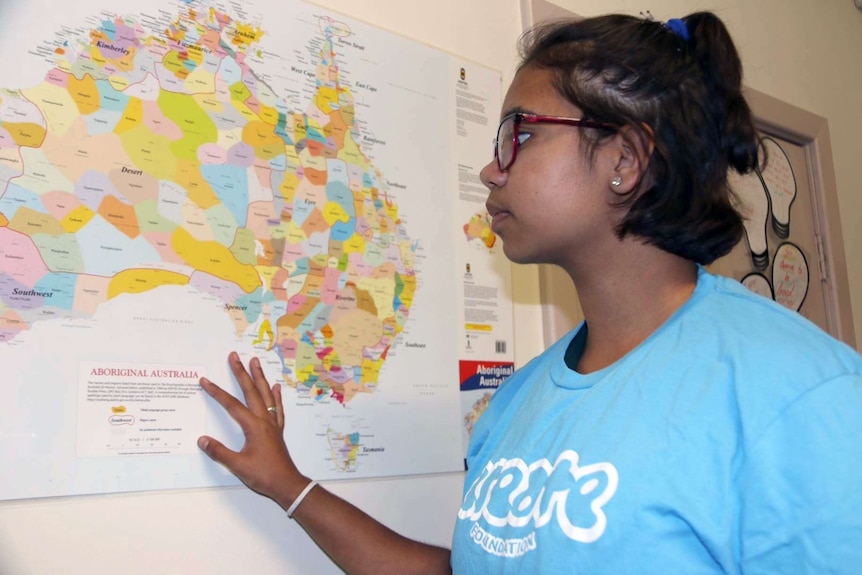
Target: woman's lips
(497, 220)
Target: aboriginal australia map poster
(179, 179)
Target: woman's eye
(523, 137)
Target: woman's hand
(355, 541)
(263, 463)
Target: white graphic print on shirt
(510, 492)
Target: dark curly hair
(684, 95)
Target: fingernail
(203, 442)
(255, 362)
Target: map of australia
(148, 159)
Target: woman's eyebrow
(516, 110)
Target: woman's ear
(634, 147)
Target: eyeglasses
(509, 136)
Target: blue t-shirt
(729, 441)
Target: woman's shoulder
(767, 355)
(736, 314)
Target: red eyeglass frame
(521, 117)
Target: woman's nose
(492, 176)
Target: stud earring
(617, 181)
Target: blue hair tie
(678, 27)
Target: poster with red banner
(479, 381)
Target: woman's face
(552, 202)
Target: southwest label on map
(31, 292)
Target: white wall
(801, 51)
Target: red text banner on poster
(484, 374)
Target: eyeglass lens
(506, 143)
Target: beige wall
(801, 51)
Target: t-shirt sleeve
(801, 486)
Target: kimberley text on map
(189, 178)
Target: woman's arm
(353, 540)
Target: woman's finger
(279, 405)
(232, 405)
(216, 450)
(260, 382)
(250, 391)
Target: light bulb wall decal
(790, 276)
(759, 284)
(752, 203)
(780, 182)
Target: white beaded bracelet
(299, 498)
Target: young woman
(687, 426)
